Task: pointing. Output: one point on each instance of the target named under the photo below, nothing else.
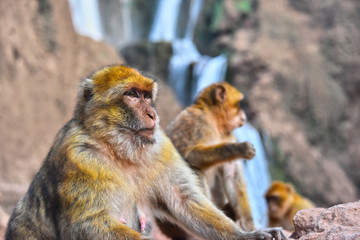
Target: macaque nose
(151, 117)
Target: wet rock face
(338, 222)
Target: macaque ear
(219, 94)
(87, 89)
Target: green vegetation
(244, 6)
(217, 14)
(277, 162)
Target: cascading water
(86, 18)
(256, 174)
(208, 70)
(116, 27)
(126, 21)
(167, 11)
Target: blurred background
(297, 63)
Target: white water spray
(86, 18)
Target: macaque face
(274, 206)
(139, 102)
(235, 116)
(279, 198)
(122, 106)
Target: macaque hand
(247, 150)
(267, 234)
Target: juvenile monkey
(283, 203)
(202, 133)
(108, 160)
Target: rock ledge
(338, 222)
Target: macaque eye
(273, 199)
(147, 95)
(132, 93)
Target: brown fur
(203, 135)
(283, 203)
(110, 159)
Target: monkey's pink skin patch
(122, 220)
(142, 224)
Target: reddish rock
(42, 62)
(4, 217)
(289, 95)
(338, 222)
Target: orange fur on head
(283, 203)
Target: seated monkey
(283, 203)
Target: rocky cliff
(42, 61)
(338, 222)
(297, 63)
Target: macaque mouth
(147, 132)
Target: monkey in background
(108, 161)
(202, 134)
(283, 203)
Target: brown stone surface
(42, 62)
(4, 218)
(293, 97)
(338, 222)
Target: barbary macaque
(283, 203)
(202, 133)
(108, 161)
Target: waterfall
(126, 21)
(256, 174)
(86, 18)
(208, 70)
(167, 12)
(184, 53)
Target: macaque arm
(235, 189)
(181, 201)
(209, 223)
(202, 157)
(198, 216)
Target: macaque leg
(235, 189)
